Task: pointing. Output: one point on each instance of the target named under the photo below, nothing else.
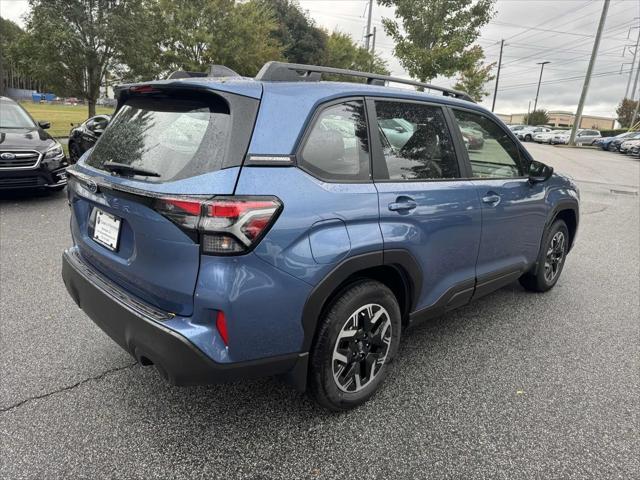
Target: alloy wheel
(361, 348)
(555, 256)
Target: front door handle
(403, 205)
(492, 199)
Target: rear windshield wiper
(128, 169)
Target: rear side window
(415, 141)
(337, 147)
(492, 153)
(176, 136)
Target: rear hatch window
(170, 136)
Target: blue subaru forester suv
(226, 228)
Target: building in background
(562, 119)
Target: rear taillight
(227, 225)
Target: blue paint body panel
(453, 236)
(442, 232)
(262, 306)
(308, 201)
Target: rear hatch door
(165, 141)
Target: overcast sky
(559, 31)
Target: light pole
(542, 64)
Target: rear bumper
(137, 328)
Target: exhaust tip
(144, 361)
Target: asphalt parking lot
(517, 385)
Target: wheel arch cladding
(569, 217)
(568, 211)
(396, 269)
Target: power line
(584, 35)
(563, 80)
(558, 15)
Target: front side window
(337, 148)
(415, 141)
(492, 153)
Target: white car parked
(526, 134)
(546, 137)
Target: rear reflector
(221, 325)
(227, 225)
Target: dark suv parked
(231, 227)
(29, 157)
(84, 136)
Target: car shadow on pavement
(271, 400)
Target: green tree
(473, 80)
(302, 40)
(343, 52)
(625, 110)
(10, 34)
(537, 117)
(435, 37)
(73, 43)
(194, 34)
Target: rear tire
(527, 138)
(358, 337)
(553, 253)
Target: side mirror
(44, 125)
(539, 172)
(97, 126)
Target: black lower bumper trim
(177, 359)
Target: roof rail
(214, 71)
(297, 72)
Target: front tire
(527, 138)
(553, 253)
(357, 339)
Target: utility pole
(373, 47)
(633, 62)
(635, 115)
(542, 64)
(635, 82)
(495, 91)
(368, 35)
(587, 78)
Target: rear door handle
(492, 199)
(403, 205)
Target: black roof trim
(297, 72)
